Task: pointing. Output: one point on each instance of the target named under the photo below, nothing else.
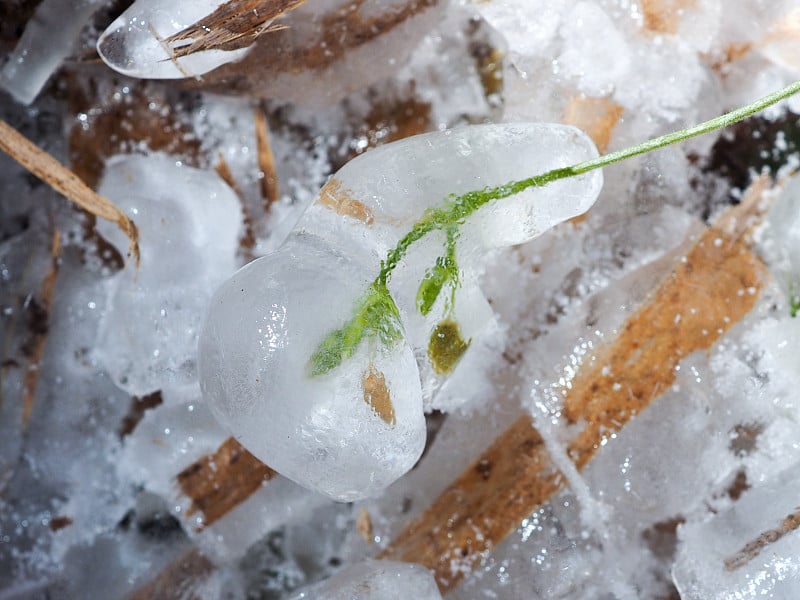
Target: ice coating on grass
(375, 580)
(328, 432)
(187, 219)
(392, 186)
(347, 433)
(135, 43)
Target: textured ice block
(188, 222)
(348, 433)
(375, 580)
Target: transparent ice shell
(347, 434)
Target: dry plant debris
(65, 182)
(752, 549)
(266, 161)
(31, 379)
(235, 24)
(710, 289)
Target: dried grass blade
(64, 181)
(235, 24)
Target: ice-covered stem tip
(342, 343)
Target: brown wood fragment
(341, 201)
(266, 161)
(217, 483)
(139, 406)
(65, 182)
(31, 378)
(707, 292)
(664, 16)
(596, 116)
(248, 240)
(376, 394)
(364, 525)
(57, 523)
(233, 25)
(179, 580)
(752, 549)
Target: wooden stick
(65, 182)
(217, 483)
(705, 294)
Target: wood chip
(217, 483)
(31, 379)
(596, 116)
(139, 406)
(664, 16)
(707, 292)
(64, 181)
(364, 525)
(266, 161)
(342, 201)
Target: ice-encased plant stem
(376, 312)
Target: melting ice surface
(135, 43)
(186, 217)
(354, 430)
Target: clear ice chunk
(188, 222)
(375, 580)
(348, 433)
(136, 43)
(352, 432)
(392, 186)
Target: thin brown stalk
(266, 161)
(235, 24)
(64, 181)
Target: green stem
(456, 209)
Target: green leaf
(338, 346)
(446, 346)
(376, 316)
(431, 287)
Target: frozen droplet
(347, 433)
(137, 42)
